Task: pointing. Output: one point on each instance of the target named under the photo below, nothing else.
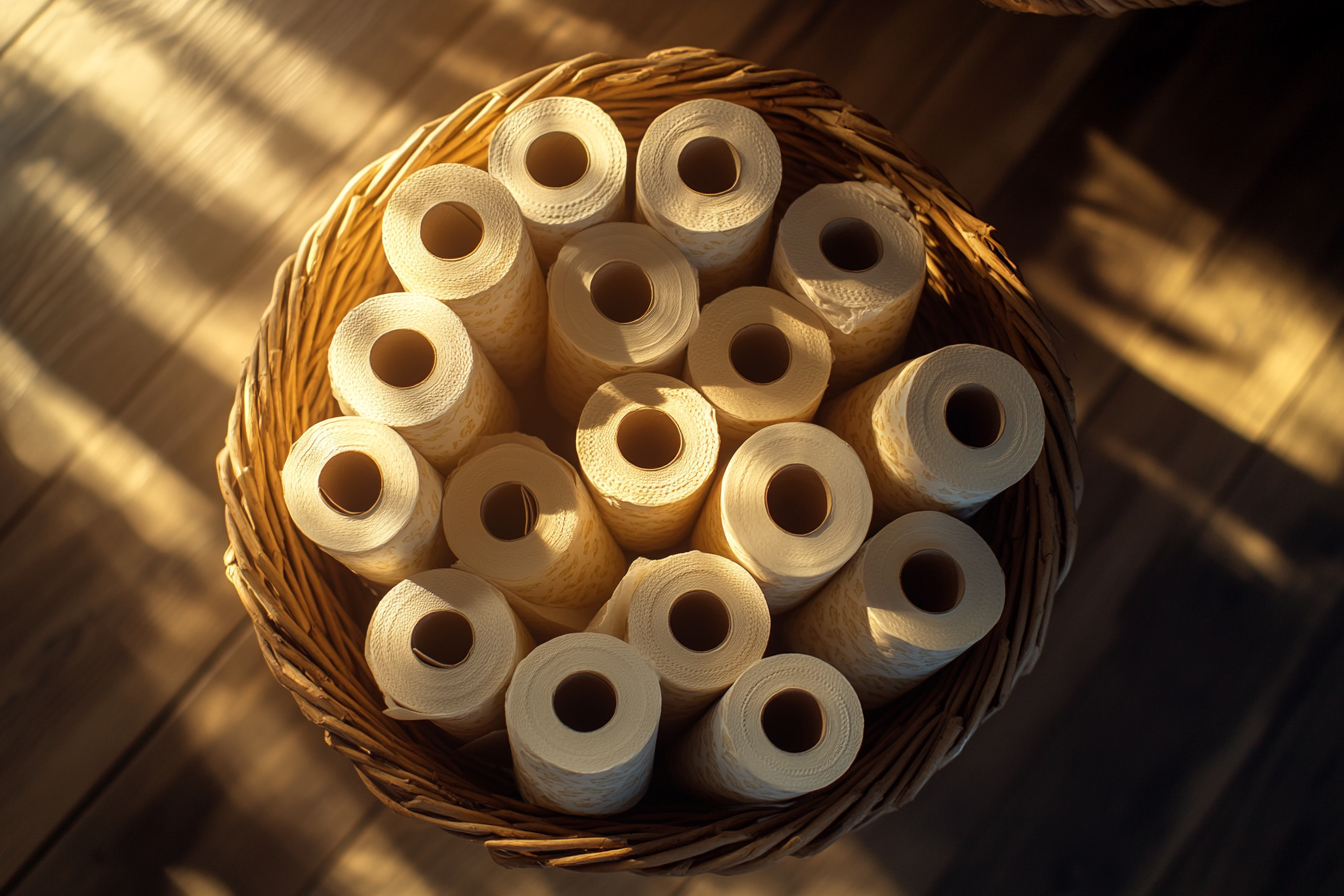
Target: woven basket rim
(304, 605)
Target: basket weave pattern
(309, 611)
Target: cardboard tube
(407, 361)
(367, 498)
(647, 447)
(454, 233)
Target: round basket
(310, 612)
(1106, 8)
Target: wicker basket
(1106, 8)
(310, 612)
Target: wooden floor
(1171, 185)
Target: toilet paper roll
(699, 619)
(647, 446)
(520, 517)
(759, 357)
(946, 431)
(545, 623)
(914, 597)
(790, 725)
(623, 300)
(582, 713)
(454, 233)
(406, 360)
(367, 498)
(564, 161)
(706, 177)
(792, 505)
(442, 646)
(855, 254)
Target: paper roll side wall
(508, 322)
(572, 375)
(419, 545)
(852, 416)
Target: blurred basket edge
(1105, 8)
(309, 612)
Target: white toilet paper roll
(946, 431)
(564, 160)
(914, 597)
(442, 646)
(759, 357)
(792, 505)
(454, 233)
(706, 177)
(367, 498)
(520, 517)
(699, 619)
(623, 300)
(855, 254)
(790, 725)
(583, 717)
(406, 360)
(545, 623)
(647, 447)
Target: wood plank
(230, 794)
(16, 16)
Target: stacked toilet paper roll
(366, 497)
(583, 713)
(442, 646)
(519, 516)
(759, 357)
(790, 725)
(454, 233)
(406, 360)
(699, 619)
(792, 505)
(947, 431)
(564, 160)
(623, 300)
(913, 598)
(855, 254)
(706, 177)
(647, 447)
(545, 623)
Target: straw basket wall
(310, 613)
(1107, 8)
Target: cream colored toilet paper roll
(792, 505)
(790, 725)
(564, 160)
(442, 646)
(699, 619)
(706, 177)
(367, 498)
(406, 360)
(916, 595)
(647, 447)
(519, 516)
(583, 717)
(760, 357)
(855, 254)
(545, 623)
(454, 233)
(946, 431)
(623, 300)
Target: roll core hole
(851, 244)
(699, 620)
(798, 499)
(557, 159)
(648, 438)
(509, 511)
(621, 291)
(932, 580)
(350, 483)
(709, 166)
(442, 639)
(793, 720)
(585, 701)
(760, 353)
(451, 230)
(974, 416)
(402, 358)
